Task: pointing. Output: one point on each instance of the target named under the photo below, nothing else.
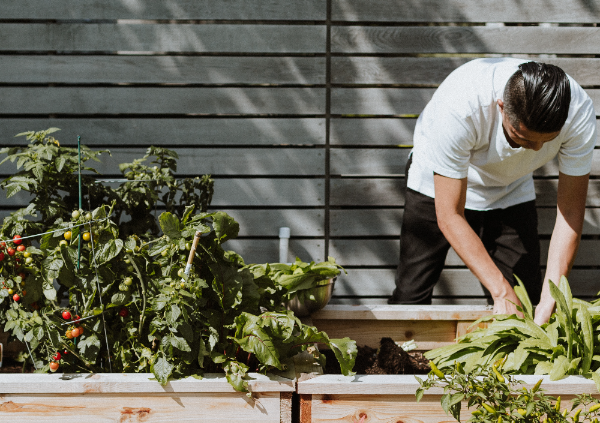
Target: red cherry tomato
(53, 366)
(16, 297)
(11, 251)
(76, 318)
(17, 239)
(75, 332)
(1, 256)
(66, 352)
(21, 248)
(66, 314)
(56, 356)
(2, 245)
(124, 312)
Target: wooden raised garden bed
(431, 326)
(136, 398)
(391, 398)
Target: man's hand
(507, 304)
(543, 312)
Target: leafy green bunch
(566, 345)
(494, 397)
(283, 281)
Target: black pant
(509, 235)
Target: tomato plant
(133, 312)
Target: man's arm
(450, 198)
(572, 192)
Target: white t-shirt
(459, 134)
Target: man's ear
(501, 104)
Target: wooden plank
(393, 101)
(303, 222)
(353, 161)
(378, 131)
(267, 250)
(367, 385)
(465, 39)
(452, 283)
(163, 100)
(266, 161)
(155, 37)
(162, 69)
(427, 334)
(371, 132)
(268, 192)
(390, 192)
(166, 9)
(433, 70)
(392, 162)
(169, 131)
(401, 313)
(134, 383)
(385, 252)
(147, 408)
(465, 11)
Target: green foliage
(139, 311)
(566, 345)
(492, 397)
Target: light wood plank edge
(105, 383)
(407, 385)
(402, 312)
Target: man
(488, 126)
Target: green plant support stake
(79, 235)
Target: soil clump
(389, 359)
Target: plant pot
(134, 397)
(322, 295)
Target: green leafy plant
(566, 345)
(131, 305)
(493, 397)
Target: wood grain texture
(166, 9)
(394, 101)
(433, 70)
(164, 100)
(401, 313)
(169, 131)
(372, 132)
(158, 37)
(465, 39)
(269, 192)
(162, 69)
(466, 11)
(267, 250)
(452, 283)
(222, 161)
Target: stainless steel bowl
(322, 294)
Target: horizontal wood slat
(453, 282)
(392, 161)
(466, 11)
(162, 69)
(169, 131)
(385, 252)
(267, 250)
(166, 9)
(189, 100)
(394, 101)
(465, 39)
(387, 222)
(264, 161)
(390, 192)
(269, 192)
(124, 37)
(257, 223)
(433, 70)
(371, 132)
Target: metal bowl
(322, 294)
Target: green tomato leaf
(225, 226)
(108, 250)
(180, 343)
(173, 314)
(162, 369)
(169, 224)
(235, 373)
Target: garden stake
(188, 266)
(79, 235)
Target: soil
(13, 366)
(389, 359)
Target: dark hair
(538, 95)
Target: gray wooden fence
(302, 110)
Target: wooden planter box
(134, 397)
(391, 398)
(431, 326)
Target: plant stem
(139, 275)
